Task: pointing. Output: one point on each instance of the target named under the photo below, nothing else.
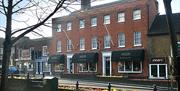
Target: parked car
(13, 70)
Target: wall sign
(158, 60)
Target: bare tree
(13, 8)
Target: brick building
(106, 40)
(159, 52)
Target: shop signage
(157, 60)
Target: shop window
(46, 67)
(158, 71)
(130, 67)
(58, 67)
(87, 67)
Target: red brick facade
(148, 11)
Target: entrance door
(69, 65)
(39, 68)
(158, 71)
(107, 60)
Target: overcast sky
(47, 31)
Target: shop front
(158, 68)
(127, 62)
(57, 64)
(85, 63)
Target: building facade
(105, 40)
(159, 50)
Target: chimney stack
(85, 4)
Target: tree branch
(2, 30)
(17, 3)
(4, 7)
(59, 5)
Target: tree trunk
(7, 48)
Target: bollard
(109, 87)
(77, 86)
(43, 75)
(155, 87)
(27, 75)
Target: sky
(47, 31)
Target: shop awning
(85, 57)
(128, 55)
(56, 59)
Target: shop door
(39, 68)
(107, 60)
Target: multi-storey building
(31, 55)
(159, 48)
(1, 51)
(107, 40)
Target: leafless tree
(42, 10)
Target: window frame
(81, 23)
(107, 41)
(137, 14)
(93, 21)
(158, 74)
(1, 50)
(82, 44)
(132, 71)
(69, 26)
(121, 17)
(58, 28)
(94, 43)
(58, 46)
(69, 45)
(45, 52)
(107, 19)
(88, 67)
(121, 40)
(137, 39)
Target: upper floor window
(94, 43)
(82, 44)
(107, 41)
(137, 14)
(58, 29)
(82, 23)
(45, 51)
(107, 19)
(121, 17)
(69, 45)
(137, 39)
(58, 46)
(1, 50)
(121, 40)
(69, 26)
(94, 21)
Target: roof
(160, 26)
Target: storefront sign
(158, 60)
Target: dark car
(13, 70)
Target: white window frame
(59, 28)
(132, 68)
(69, 26)
(107, 19)
(121, 17)
(121, 39)
(45, 50)
(93, 21)
(88, 70)
(1, 50)
(69, 45)
(158, 77)
(58, 46)
(59, 66)
(137, 14)
(81, 23)
(94, 43)
(82, 44)
(107, 41)
(137, 39)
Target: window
(178, 47)
(30, 67)
(93, 21)
(158, 71)
(94, 43)
(82, 44)
(69, 45)
(107, 41)
(58, 28)
(1, 50)
(121, 40)
(130, 67)
(58, 46)
(45, 51)
(86, 67)
(46, 67)
(107, 19)
(82, 23)
(58, 67)
(69, 26)
(137, 39)
(121, 17)
(136, 14)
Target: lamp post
(173, 38)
